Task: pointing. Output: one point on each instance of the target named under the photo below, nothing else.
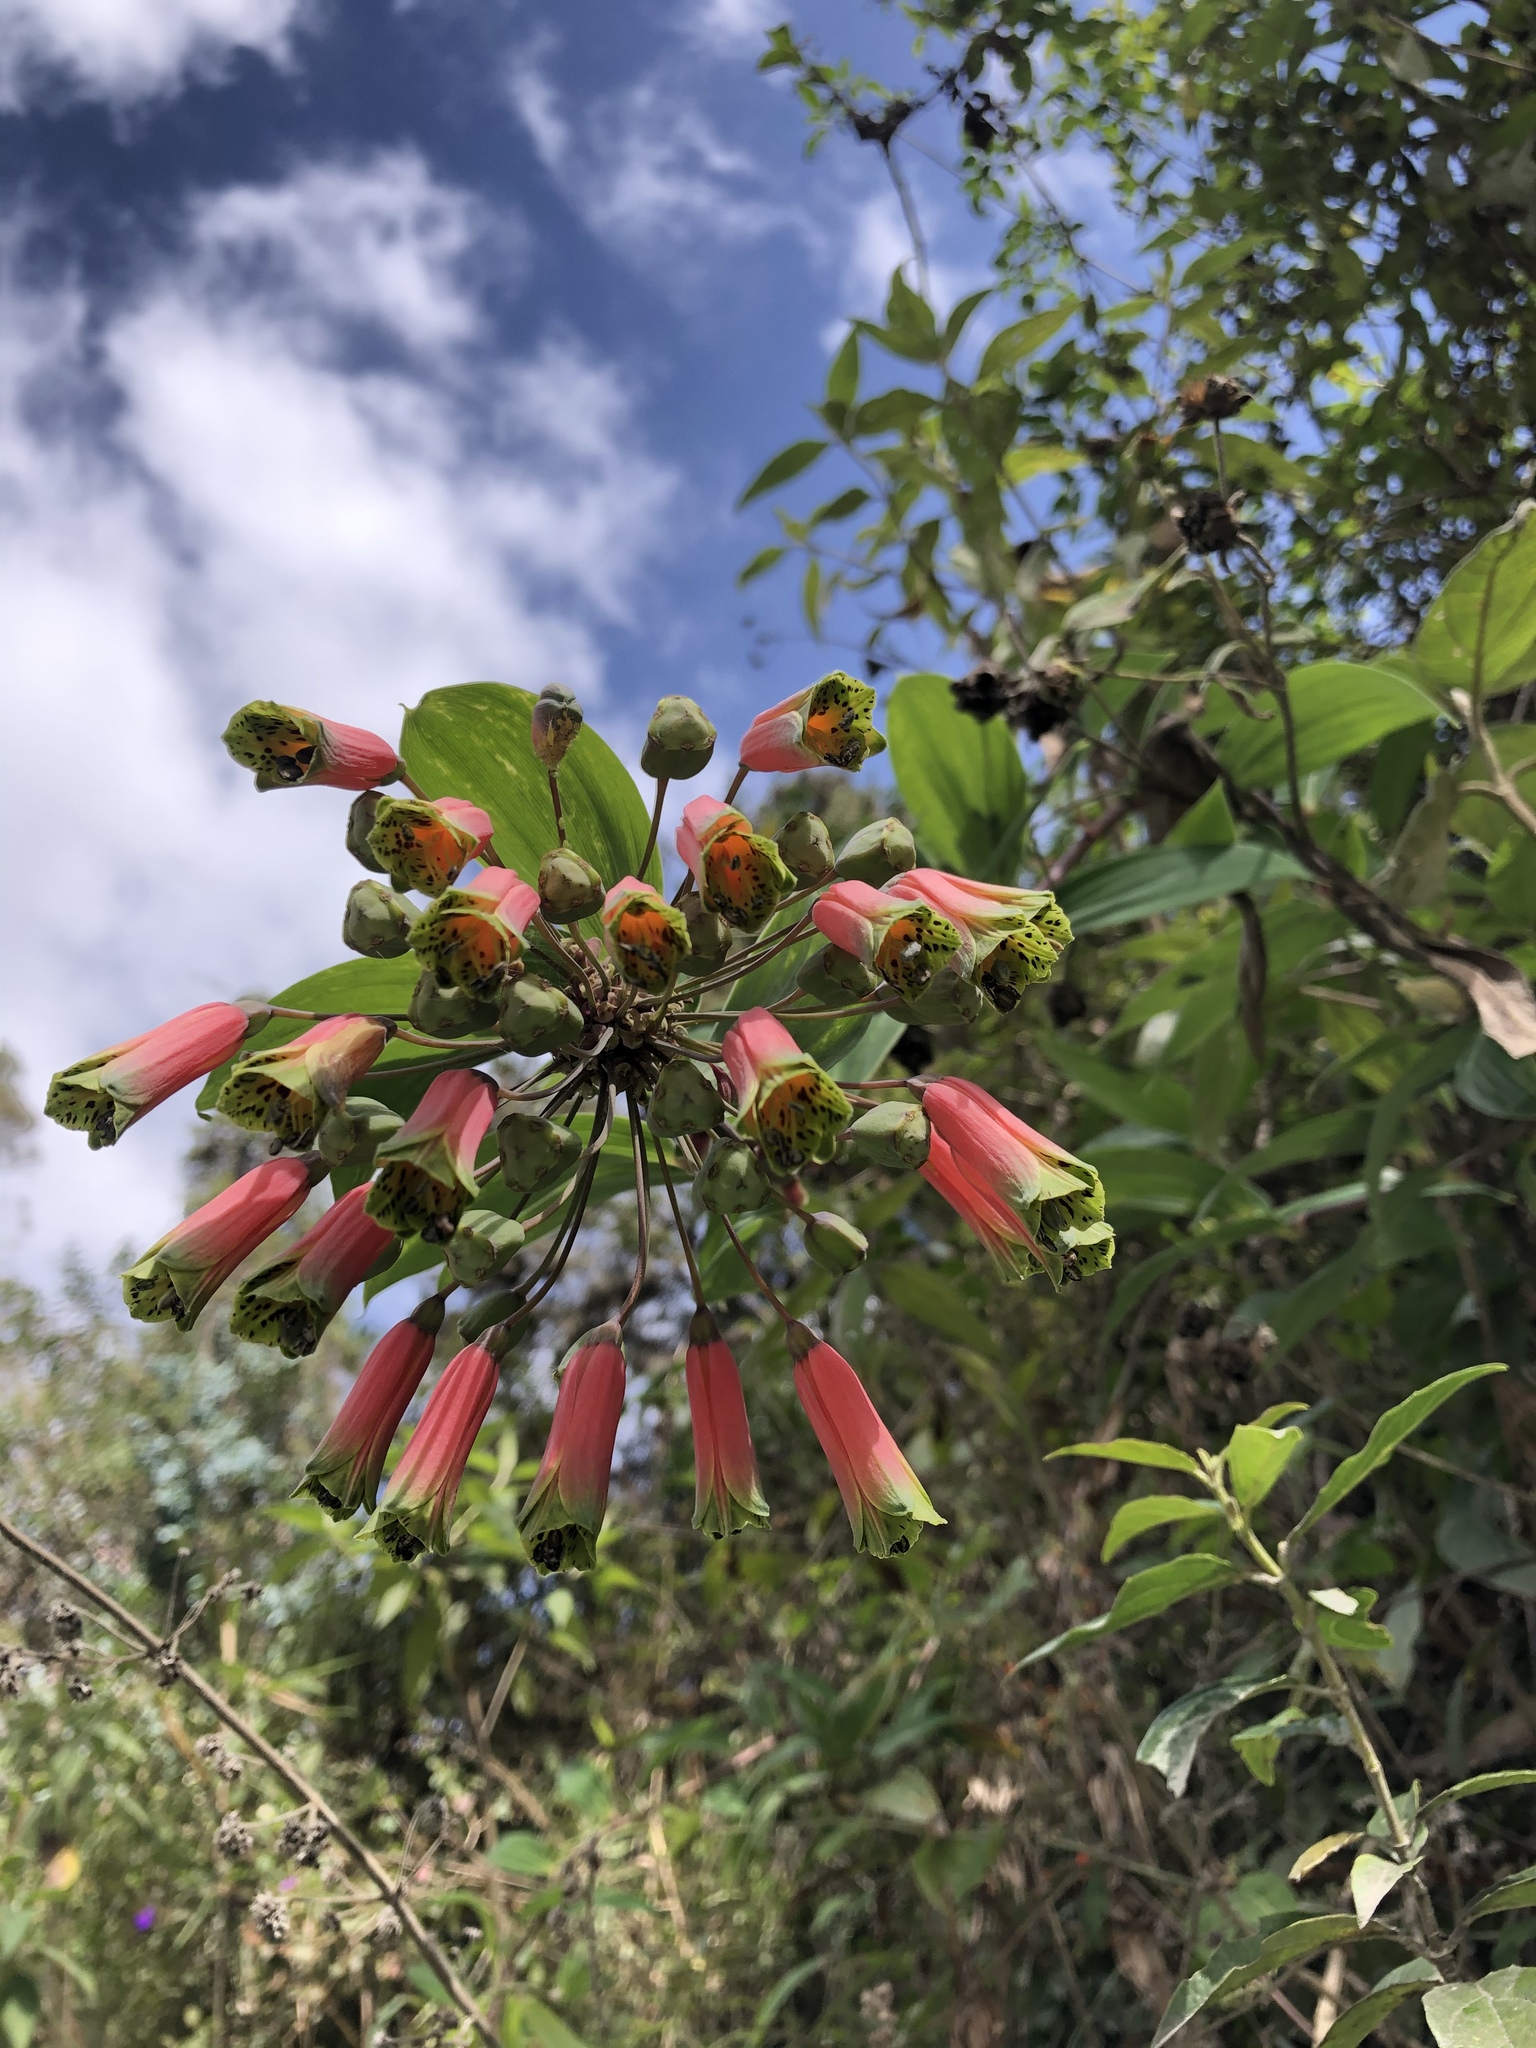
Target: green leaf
(843, 371)
(1171, 1743)
(779, 469)
(1039, 458)
(1338, 707)
(1152, 1100)
(1300, 1309)
(936, 1302)
(1164, 879)
(1256, 1457)
(1498, 2012)
(781, 1992)
(843, 506)
(910, 329)
(1479, 635)
(1389, 1432)
(1144, 1595)
(523, 1854)
(1371, 1879)
(1012, 344)
(1152, 1511)
(1486, 1781)
(960, 315)
(1259, 1746)
(764, 560)
(1237, 1964)
(1361, 2019)
(1319, 1852)
(1504, 1897)
(1156, 1180)
(962, 781)
(1488, 1079)
(525, 2018)
(908, 1799)
(948, 1868)
(472, 741)
(1132, 1450)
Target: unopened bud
(500, 1305)
(684, 1100)
(447, 1012)
(361, 819)
(678, 741)
(709, 938)
(555, 723)
(483, 1242)
(948, 998)
(833, 1242)
(880, 851)
(533, 1150)
(896, 1134)
(352, 1133)
(570, 888)
(835, 978)
(377, 922)
(535, 1016)
(805, 845)
(731, 1181)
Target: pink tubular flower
(471, 935)
(290, 1302)
(826, 726)
(418, 1502)
(287, 1089)
(740, 874)
(905, 942)
(1033, 1205)
(646, 936)
(105, 1094)
(425, 846)
(287, 748)
(1018, 934)
(569, 1497)
(727, 1495)
(343, 1475)
(178, 1276)
(783, 1098)
(427, 1167)
(886, 1504)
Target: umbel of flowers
(613, 994)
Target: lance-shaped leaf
(962, 781)
(1485, 1781)
(1371, 1878)
(1361, 2019)
(1153, 1511)
(1144, 1595)
(1497, 2012)
(1256, 1457)
(1171, 1743)
(1132, 1450)
(1519, 1890)
(1389, 1432)
(1237, 1964)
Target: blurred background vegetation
(767, 1791)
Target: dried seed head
(167, 1668)
(79, 1689)
(65, 1622)
(209, 1747)
(232, 1838)
(11, 1668)
(1205, 520)
(270, 1914)
(302, 1838)
(386, 1929)
(1213, 398)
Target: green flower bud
(351, 1134)
(731, 1180)
(805, 846)
(896, 1134)
(833, 1242)
(361, 819)
(835, 978)
(678, 741)
(498, 1306)
(880, 851)
(684, 1100)
(377, 922)
(482, 1242)
(556, 722)
(570, 888)
(537, 1017)
(948, 998)
(533, 1150)
(447, 1012)
(709, 938)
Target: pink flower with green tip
(647, 938)
(1017, 934)
(287, 1089)
(887, 1506)
(178, 1276)
(904, 941)
(109, 1092)
(826, 726)
(418, 1503)
(290, 1302)
(727, 1494)
(288, 748)
(427, 1167)
(564, 1511)
(786, 1101)
(425, 846)
(473, 934)
(740, 874)
(343, 1475)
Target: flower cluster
(612, 995)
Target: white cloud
(731, 26)
(126, 50)
(291, 465)
(647, 171)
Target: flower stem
(682, 1229)
(554, 797)
(642, 1209)
(747, 1260)
(650, 842)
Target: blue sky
(349, 349)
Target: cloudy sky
(349, 348)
